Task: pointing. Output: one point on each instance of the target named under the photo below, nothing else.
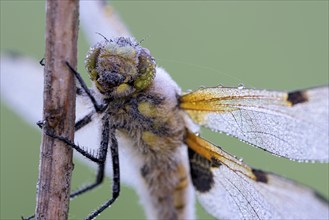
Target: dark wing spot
(260, 176)
(202, 177)
(297, 97)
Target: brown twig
(56, 166)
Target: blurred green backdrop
(275, 45)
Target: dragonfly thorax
(120, 67)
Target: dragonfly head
(120, 67)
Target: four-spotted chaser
(138, 104)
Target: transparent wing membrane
(239, 192)
(97, 17)
(293, 125)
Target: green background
(279, 45)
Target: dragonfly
(155, 125)
(135, 99)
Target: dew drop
(220, 85)
(240, 86)
(241, 159)
(197, 134)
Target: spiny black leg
(74, 146)
(84, 121)
(40, 124)
(28, 218)
(99, 180)
(98, 107)
(101, 155)
(102, 158)
(42, 62)
(116, 176)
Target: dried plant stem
(55, 165)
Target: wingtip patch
(261, 176)
(297, 97)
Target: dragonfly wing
(22, 86)
(97, 17)
(293, 125)
(229, 189)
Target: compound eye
(146, 70)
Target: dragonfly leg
(108, 134)
(78, 148)
(98, 107)
(28, 218)
(116, 178)
(79, 124)
(84, 121)
(101, 158)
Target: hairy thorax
(150, 120)
(156, 126)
